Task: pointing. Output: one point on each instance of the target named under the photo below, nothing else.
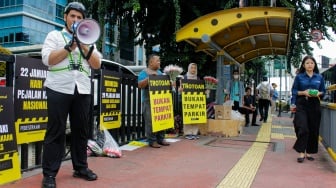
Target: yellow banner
(110, 120)
(110, 99)
(194, 108)
(30, 100)
(161, 103)
(30, 129)
(9, 167)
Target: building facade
(24, 24)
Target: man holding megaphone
(70, 54)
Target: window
(19, 36)
(59, 11)
(22, 37)
(11, 37)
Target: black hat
(75, 6)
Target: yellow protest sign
(161, 103)
(193, 102)
(9, 167)
(110, 100)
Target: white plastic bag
(235, 115)
(94, 148)
(228, 102)
(110, 147)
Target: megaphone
(87, 31)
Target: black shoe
(300, 159)
(261, 119)
(255, 124)
(86, 174)
(48, 182)
(164, 143)
(310, 158)
(154, 145)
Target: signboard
(193, 102)
(278, 65)
(9, 159)
(9, 167)
(316, 35)
(161, 102)
(7, 130)
(110, 115)
(30, 100)
(325, 62)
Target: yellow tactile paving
(243, 173)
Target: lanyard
(79, 61)
(72, 65)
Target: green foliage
(3, 64)
(154, 22)
(256, 69)
(4, 51)
(2, 68)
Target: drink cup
(313, 92)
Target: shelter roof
(241, 34)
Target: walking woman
(307, 89)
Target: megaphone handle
(89, 53)
(79, 46)
(87, 57)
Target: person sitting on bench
(249, 108)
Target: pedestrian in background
(235, 91)
(68, 87)
(307, 89)
(275, 96)
(155, 140)
(264, 93)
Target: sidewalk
(262, 157)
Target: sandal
(300, 159)
(310, 158)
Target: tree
(3, 64)
(155, 22)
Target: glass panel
(11, 37)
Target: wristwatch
(67, 48)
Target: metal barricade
(332, 119)
(325, 124)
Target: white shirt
(267, 84)
(65, 81)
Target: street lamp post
(269, 72)
(279, 115)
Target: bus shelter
(236, 36)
